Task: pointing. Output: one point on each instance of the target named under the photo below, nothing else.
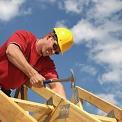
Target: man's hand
(37, 80)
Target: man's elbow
(11, 49)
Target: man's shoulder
(23, 31)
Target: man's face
(50, 46)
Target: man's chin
(45, 54)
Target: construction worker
(25, 58)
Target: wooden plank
(75, 112)
(2, 118)
(104, 119)
(100, 103)
(33, 106)
(41, 117)
(22, 92)
(25, 88)
(13, 112)
(40, 111)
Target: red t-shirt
(10, 75)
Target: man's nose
(53, 52)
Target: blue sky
(96, 57)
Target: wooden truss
(57, 109)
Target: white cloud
(110, 53)
(87, 69)
(60, 24)
(113, 76)
(101, 8)
(104, 8)
(67, 5)
(10, 9)
(73, 6)
(26, 12)
(105, 46)
(85, 31)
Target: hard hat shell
(65, 38)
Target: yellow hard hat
(65, 38)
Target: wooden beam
(41, 116)
(33, 106)
(104, 119)
(13, 112)
(100, 103)
(76, 114)
(25, 88)
(40, 111)
(22, 92)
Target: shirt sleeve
(20, 38)
(49, 69)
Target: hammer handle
(57, 80)
(46, 82)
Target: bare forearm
(16, 57)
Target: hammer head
(72, 78)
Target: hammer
(70, 78)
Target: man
(25, 58)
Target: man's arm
(16, 57)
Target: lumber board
(41, 117)
(13, 112)
(75, 112)
(22, 92)
(40, 111)
(25, 92)
(100, 103)
(33, 106)
(104, 118)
